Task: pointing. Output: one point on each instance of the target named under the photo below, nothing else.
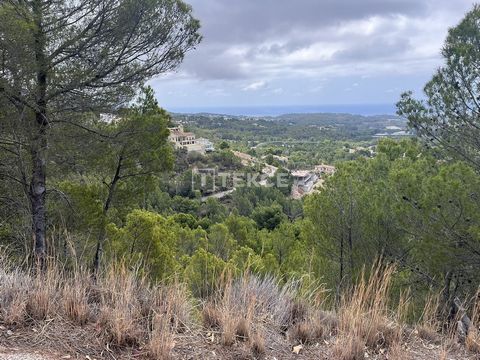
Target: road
(218, 195)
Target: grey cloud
(253, 20)
(268, 31)
(310, 51)
(290, 45)
(213, 63)
(375, 47)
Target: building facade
(188, 141)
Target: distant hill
(316, 126)
(265, 111)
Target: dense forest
(80, 192)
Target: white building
(304, 180)
(180, 138)
(187, 140)
(207, 144)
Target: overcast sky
(310, 52)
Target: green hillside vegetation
(306, 139)
(110, 204)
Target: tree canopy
(449, 117)
(62, 58)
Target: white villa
(304, 180)
(187, 140)
(307, 181)
(207, 144)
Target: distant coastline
(355, 109)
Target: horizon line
(371, 109)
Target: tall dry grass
(429, 324)
(366, 320)
(75, 298)
(14, 288)
(254, 310)
(472, 341)
(122, 305)
(245, 307)
(250, 312)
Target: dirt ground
(55, 342)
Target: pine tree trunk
(39, 145)
(106, 207)
(38, 197)
(339, 291)
(102, 233)
(99, 250)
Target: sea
(354, 109)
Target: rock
(464, 325)
(461, 332)
(297, 349)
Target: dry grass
(397, 352)
(43, 295)
(365, 319)
(302, 333)
(161, 341)
(443, 355)
(427, 329)
(250, 315)
(248, 306)
(329, 320)
(170, 313)
(309, 331)
(257, 345)
(472, 341)
(254, 311)
(428, 334)
(120, 312)
(242, 330)
(122, 306)
(349, 348)
(14, 288)
(75, 298)
(211, 316)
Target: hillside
(123, 317)
(292, 126)
(284, 230)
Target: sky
(309, 52)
